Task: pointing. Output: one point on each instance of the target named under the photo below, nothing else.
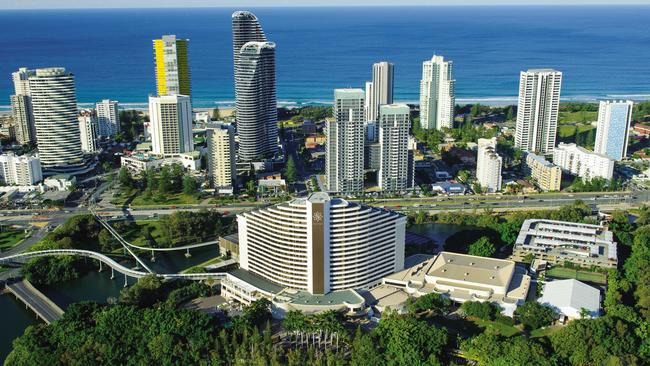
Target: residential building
(437, 94)
(641, 129)
(558, 242)
(394, 127)
(60, 182)
(88, 127)
(23, 116)
(462, 277)
(538, 110)
(547, 176)
(108, 117)
(172, 66)
(380, 90)
(255, 89)
(488, 165)
(449, 188)
(171, 124)
(21, 107)
(335, 244)
(256, 101)
(344, 160)
(54, 103)
(571, 299)
(582, 162)
(612, 133)
(20, 170)
(221, 155)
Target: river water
(98, 286)
(95, 286)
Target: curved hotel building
(321, 244)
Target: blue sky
(65, 4)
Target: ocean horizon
(601, 50)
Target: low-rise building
(547, 176)
(20, 170)
(558, 242)
(448, 187)
(582, 162)
(571, 299)
(641, 129)
(60, 182)
(314, 140)
(462, 277)
(137, 163)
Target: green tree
(190, 186)
(125, 178)
(482, 247)
(490, 349)
(481, 310)
(534, 315)
(290, 171)
(216, 115)
(432, 302)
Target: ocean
(603, 50)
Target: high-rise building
(547, 176)
(108, 117)
(245, 28)
(172, 66)
(380, 90)
(345, 142)
(612, 134)
(320, 244)
(394, 127)
(88, 127)
(55, 116)
(23, 116)
(437, 94)
(538, 108)
(21, 107)
(20, 170)
(256, 104)
(221, 155)
(488, 165)
(171, 124)
(582, 162)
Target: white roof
(570, 296)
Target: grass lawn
(545, 332)
(566, 117)
(9, 238)
(497, 328)
(581, 275)
(165, 199)
(201, 266)
(566, 131)
(136, 235)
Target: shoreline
(227, 107)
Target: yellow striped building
(172, 66)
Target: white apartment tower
(345, 142)
(88, 127)
(582, 162)
(55, 116)
(488, 165)
(171, 124)
(437, 95)
(537, 112)
(108, 117)
(380, 90)
(21, 107)
(321, 244)
(221, 155)
(612, 133)
(394, 127)
(20, 170)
